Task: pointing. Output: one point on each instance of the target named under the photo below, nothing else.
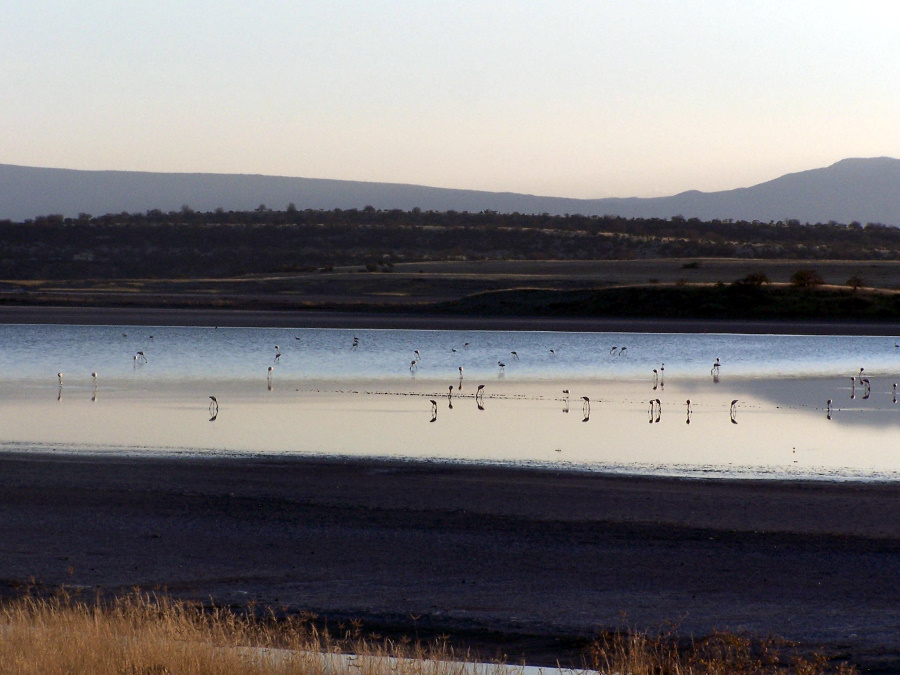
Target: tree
(806, 279)
(855, 283)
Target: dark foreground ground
(519, 562)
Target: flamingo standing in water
(689, 411)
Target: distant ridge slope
(864, 190)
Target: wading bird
(622, 351)
(94, 377)
(413, 366)
(689, 411)
(828, 409)
(733, 411)
(433, 410)
(515, 355)
(612, 350)
(502, 366)
(479, 393)
(59, 377)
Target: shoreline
(150, 316)
(526, 562)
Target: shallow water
(325, 397)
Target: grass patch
(152, 634)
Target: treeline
(187, 243)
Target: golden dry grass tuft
(719, 654)
(145, 634)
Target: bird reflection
(433, 410)
(689, 411)
(59, 395)
(852, 388)
(828, 409)
(733, 411)
(586, 408)
(213, 407)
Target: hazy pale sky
(580, 99)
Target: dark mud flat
(420, 320)
(520, 562)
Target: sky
(592, 99)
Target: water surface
(324, 396)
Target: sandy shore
(522, 562)
(132, 316)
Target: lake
(326, 397)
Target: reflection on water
(773, 406)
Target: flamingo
(622, 351)
(460, 372)
(828, 409)
(515, 355)
(479, 393)
(59, 377)
(733, 411)
(612, 350)
(94, 377)
(689, 411)
(413, 366)
(502, 366)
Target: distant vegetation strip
(219, 244)
(719, 301)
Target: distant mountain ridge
(864, 190)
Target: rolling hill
(864, 190)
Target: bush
(806, 279)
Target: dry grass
(720, 654)
(146, 634)
(149, 634)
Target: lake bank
(516, 560)
(152, 316)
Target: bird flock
(858, 382)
